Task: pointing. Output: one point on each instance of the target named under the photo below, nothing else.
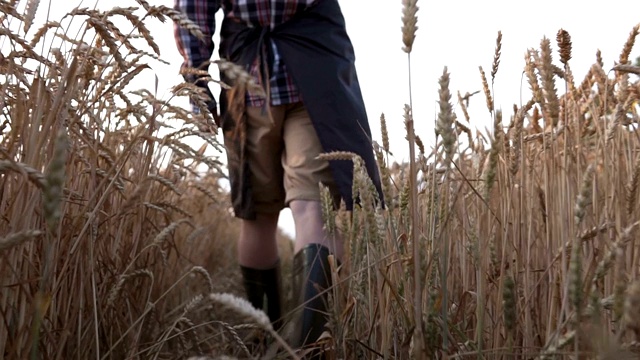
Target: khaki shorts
(282, 157)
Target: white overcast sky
(459, 34)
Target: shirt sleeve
(197, 51)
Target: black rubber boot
(263, 289)
(311, 276)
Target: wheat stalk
(444, 124)
(244, 308)
(583, 198)
(551, 105)
(633, 69)
(564, 43)
(240, 77)
(338, 155)
(166, 232)
(55, 178)
(36, 177)
(30, 13)
(177, 17)
(628, 45)
(485, 89)
(15, 239)
(532, 77)
(117, 289)
(490, 169)
(631, 317)
(409, 24)
(496, 57)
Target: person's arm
(196, 52)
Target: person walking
(300, 53)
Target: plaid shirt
(264, 13)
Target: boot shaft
(312, 279)
(264, 291)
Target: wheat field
(116, 241)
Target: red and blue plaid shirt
(264, 13)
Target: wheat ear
(409, 24)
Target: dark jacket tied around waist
(319, 57)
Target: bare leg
(307, 216)
(257, 246)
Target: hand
(207, 125)
(212, 104)
(213, 109)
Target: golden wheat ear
(409, 23)
(18, 238)
(496, 57)
(628, 45)
(564, 44)
(30, 14)
(445, 123)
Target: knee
(306, 209)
